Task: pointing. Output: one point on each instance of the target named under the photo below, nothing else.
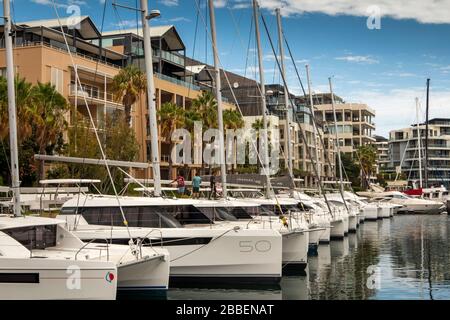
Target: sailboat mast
(263, 98)
(151, 98)
(338, 148)
(426, 134)
(223, 165)
(286, 95)
(15, 181)
(418, 143)
(311, 103)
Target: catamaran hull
(314, 238)
(325, 235)
(370, 213)
(295, 251)
(150, 273)
(352, 223)
(337, 231)
(385, 212)
(46, 279)
(219, 256)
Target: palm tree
(206, 106)
(171, 117)
(48, 108)
(232, 119)
(24, 112)
(367, 156)
(258, 125)
(127, 86)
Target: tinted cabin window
(239, 213)
(150, 216)
(35, 237)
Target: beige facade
(354, 121)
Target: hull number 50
(258, 246)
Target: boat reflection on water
(340, 249)
(224, 294)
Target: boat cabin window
(240, 213)
(142, 216)
(267, 210)
(217, 213)
(34, 237)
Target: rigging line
(232, 91)
(83, 165)
(92, 121)
(311, 109)
(305, 142)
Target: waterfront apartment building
(382, 147)
(404, 151)
(355, 123)
(40, 54)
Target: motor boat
(201, 250)
(409, 204)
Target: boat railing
(91, 241)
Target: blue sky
(385, 68)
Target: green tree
(118, 141)
(127, 86)
(232, 119)
(367, 157)
(40, 124)
(48, 109)
(171, 117)
(206, 106)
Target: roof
(169, 33)
(9, 222)
(87, 28)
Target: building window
(57, 79)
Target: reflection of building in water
(420, 254)
(345, 277)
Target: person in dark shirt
(212, 185)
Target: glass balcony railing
(166, 55)
(177, 81)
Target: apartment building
(404, 151)
(40, 54)
(355, 124)
(382, 147)
(301, 121)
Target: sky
(378, 52)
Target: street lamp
(153, 14)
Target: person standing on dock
(212, 185)
(196, 183)
(181, 186)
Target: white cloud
(395, 108)
(169, 3)
(358, 59)
(435, 11)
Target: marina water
(405, 257)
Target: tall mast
(151, 98)
(286, 95)
(426, 134)
(223, 165)
(338, 148)
(15, 182)
(418, 143)
(263, 98)
(311, 103)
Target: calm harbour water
(405, 257)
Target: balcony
(168, 56)
(93, 94)
(177, 81)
